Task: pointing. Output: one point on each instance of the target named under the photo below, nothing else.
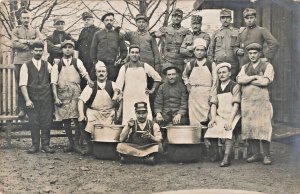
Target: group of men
(191, 82)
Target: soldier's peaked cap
(87, 15)
(248, 12)
(177, 11)
(140, 106)
(225, 12)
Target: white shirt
(24, 71)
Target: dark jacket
(56, 38)
(106, 46)
(83, 46)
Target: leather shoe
(225, 163)
(32, 150)
(47, 149)
(267, 160)
(254, 158)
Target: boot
(226, 159)
(47, 149)
(77, 147)
(266, 153)
(87, 138)
(254, 158)
(33, 149)
(67, 127)
(255, 146)
(213, 151)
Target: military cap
(107, 14)
(254, 46)
(58, 19)
(140, 106)
(248, 12)
(225, 12)
(99, 64)
(168, 66)
(70, 42)
(196, 19)
(141, 16)
(177, 11)
(224, 64)
(86, 15)
(199, 42)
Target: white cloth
(24, 71)
(135, 82)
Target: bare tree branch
(128, 6)
(47, 15)
(131, 3)
(120, 13)
(154, 9)
(157, 20)
(38, 6)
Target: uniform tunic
(56, 38)
(224, 99)
(101, 109)
(137, 146)
(22, 52)
(203, 83)
(222, 48)
(257, 110)
(68, 88)
(149, 52)
(256, 34)
(134, 81)
(189, 40)
(171, 99)
(83, 45)
(173, 37)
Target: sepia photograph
(150, 96)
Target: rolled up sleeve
(23, 75)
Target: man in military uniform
(23, 37)
(222, 44)
(107, 44)
(187, 48)
(54, 41)
(254, 34)
(173, 36)
(83, 44)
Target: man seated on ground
(140, 139)
(225, 113)
(171, 102)
(100, 102)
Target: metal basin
(106, 133)
(183, 134)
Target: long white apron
(223, 115)
(134, 91)
(201, 81)
(100, 111)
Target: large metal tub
(105, 150)
(183, 134)
(185, 152)
(106, 133)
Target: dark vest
(38, 81)
(136, 138)
(259, 70)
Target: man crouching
(140, 138)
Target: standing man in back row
(173, 36)
(109, 47)
(222, 44)
(254, 34)
(83, 44)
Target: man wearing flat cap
(254, 34)
(109, 47)
(173, 36)
(83, 44)
(65, 82)
(141, 138)
(255, 78)
(187, 48)
(35, 86)
(170, 105)
(54, 41)
(222, 44)
(200, 78)
(225, 114)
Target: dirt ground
(72, 173)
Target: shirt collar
(251, 27)
(177, 26)
(35, 61)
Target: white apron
(134, 91)
(100, 111)
(223, 115)
(201, 81)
